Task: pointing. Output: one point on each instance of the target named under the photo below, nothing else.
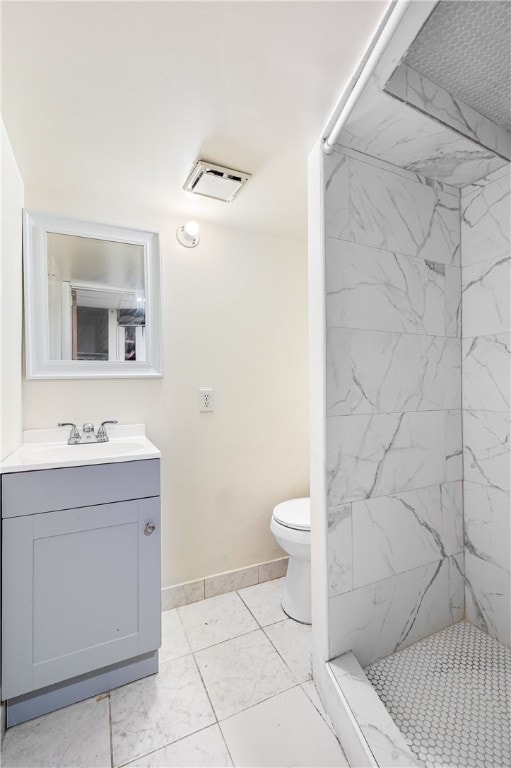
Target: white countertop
(48, 449)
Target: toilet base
(296, 597)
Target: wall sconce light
(188, 234)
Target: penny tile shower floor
(234, 688)
(450, 695)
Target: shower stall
(410, 286)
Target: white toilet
(291, 526)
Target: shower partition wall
(393, 391)
(410, 464)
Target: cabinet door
(81, 591)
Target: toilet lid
(295, 513)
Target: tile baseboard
(220, 583)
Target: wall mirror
(92, 299)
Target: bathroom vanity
(80, 569)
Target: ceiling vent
(215, 181)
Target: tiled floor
(450, 695)
(234, 688)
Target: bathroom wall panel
(427, 524)
(398, 214)
(485, 221)
(388, 615)
(487, 448)
(383, 454)
(453, 445)
(340, 550)
(488, 597)
(486, 380)
(487, 524)
(485, 296)
(486, 372)
(375, 289)
(392, 372)
(393, 292)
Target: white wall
(10, 299)
(234, 318)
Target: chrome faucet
(88, 435)
(74, 437)
(101, 435)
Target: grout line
(205, 688)
(251, 706)
(110, 730)
(167, 744)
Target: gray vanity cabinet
(81, 581)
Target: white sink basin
(44, 449)
(50, 452)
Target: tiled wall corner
(486, 377)
(393, 295)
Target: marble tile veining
(486, 445)
(485, 291)
(204, 749)
(394, 534)
(77, 736)
(375, 289)
(384, 739)
(390, 212)
(453, 446)
(487, 372)
(216, 619)
(488, 597)
(392, 372)
(339, 549)
(381, 618)
(337, 196)
(485, 221)
(241, 672)
(487, 524)
(383, 454)
(338, 379)
(159, 709)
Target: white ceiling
(117, 99)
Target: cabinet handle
(149, 529)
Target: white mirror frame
(37, 336)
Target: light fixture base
(185, 239)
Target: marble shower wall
(486, 369)
(394, 468)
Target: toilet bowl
(291, 526)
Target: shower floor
(450, 696)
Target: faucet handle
(102, 436)
(74, 436)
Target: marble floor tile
(157, 710)
(310, 689)
(204, 749)
(216, 619)
(78, 735)
(173, 638)
(293, 641)
(286, 730)
(241, 672)
(264, 601)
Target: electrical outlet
(206, 400)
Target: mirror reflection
(96, 299)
